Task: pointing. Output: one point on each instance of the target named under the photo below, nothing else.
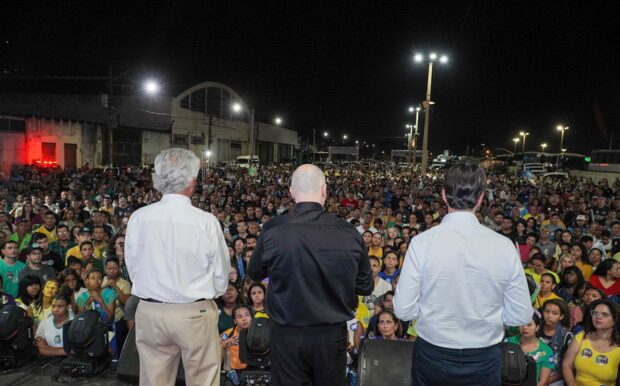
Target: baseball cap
(84, 230)
(581, 217)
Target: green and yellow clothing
(540, 300)
(23, 243)
(585, 268)
(543, 355)
(51, 234)
(595, 368)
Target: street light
(418, 58)
(344, 137)
(325, 134)
(562, 128)
(237, 108)
(544, 146)
(412, 136)
(278, 120)
(524, 135)
(151, 87)
(515, 140)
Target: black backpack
(257, 338)
(514, 365)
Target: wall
(40, 130)
(12, 150)
(153, 142)
(596, 176)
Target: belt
(159, 301)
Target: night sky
(347, 67)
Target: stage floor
(40, 373)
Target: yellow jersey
(595, 368)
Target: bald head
(308, 184)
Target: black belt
(159, 301)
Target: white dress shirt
(175, 252)
(462, 282)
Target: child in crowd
(49, 335)
(102, 300)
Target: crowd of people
(62, 235)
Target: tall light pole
(412, 142)
(562, 128)
(524, 134)
(515, 140)
(237, 108)
(543, 146)
(418, 58)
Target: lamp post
(278, 121)
(515, 140)
(524, 135)
(419, 58)
(562, 129)
(237, 108)
(412, 142)
(543, 146)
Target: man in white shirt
(178, 262)
(462, 282)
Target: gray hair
(174, 170)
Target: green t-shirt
(25, 241)
(10, 276)
(543, 356)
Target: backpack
(514, 364)
(257, 338)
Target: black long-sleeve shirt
(316, 264)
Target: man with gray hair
(317, 265)
(178, 261)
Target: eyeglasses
(603, 315)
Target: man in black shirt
(317, 265)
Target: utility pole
(313, 145)
(110, 116)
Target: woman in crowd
(242, 318)
(590, 294)
(234, 279)
(547, 286)
(226, 304)
(554, 332)
(606, 277)
(536, 349)
(571, 277)
(256, 295)
(393, 233)
(388, 326)
(102, 300)
(75, 231)
(537, 267)
(521, 231)
(376, 245)
(68, 218)
(566, 260)
(49, 335)
(595, 256)
(70, 278)
(27, 214)
(367, 237)
(594, 355)
(41, 307)
(28, 291)
(390, 267)
(580, 253)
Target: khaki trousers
(167, 332)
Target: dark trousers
(308, 355)
(434, 365)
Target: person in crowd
(102, 300)
(390, 267)
(554, 332)
(69, 278)
(367, 238)
(242, 318)
(84, 236)
(606, 277)
(536, 349)
(580, 253)
(594, 355)
(571, 278)
(41, 307)
(547, 286)
(48, 228)
(546, 245)
(567, 260)
(122, 287)
(226, 304)
(537, 268)
(62, 244)
(376, 245)
(577, 312)
(35, 266)
(22, 234)
(234, 279)
(10, 267)
(49, 334)
(388, 326)
(87, 257)
(296, 250)
(29, 289)
(595, 255)
(256, 295)
(116, 248)
(68, 218)
(432, 275)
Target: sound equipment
(16, 338)
(128, 369)
(385, 362)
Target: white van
(243, 161)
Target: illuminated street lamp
(325, 134)
(543, 146)
(419, 58)
(524, 134)
(562, 128)
(278, 121)
(151, 87)
(515, 140)
(345, 137)
(412, 136)
(237, 108)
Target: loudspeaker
(128, 368)
(385, 362)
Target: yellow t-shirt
(375, 251)
(124, 286)
(362, 314)
(585, 268)
(51, 235)
(540, 300)
(536, 276)
(75, 252)
(595, 368)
